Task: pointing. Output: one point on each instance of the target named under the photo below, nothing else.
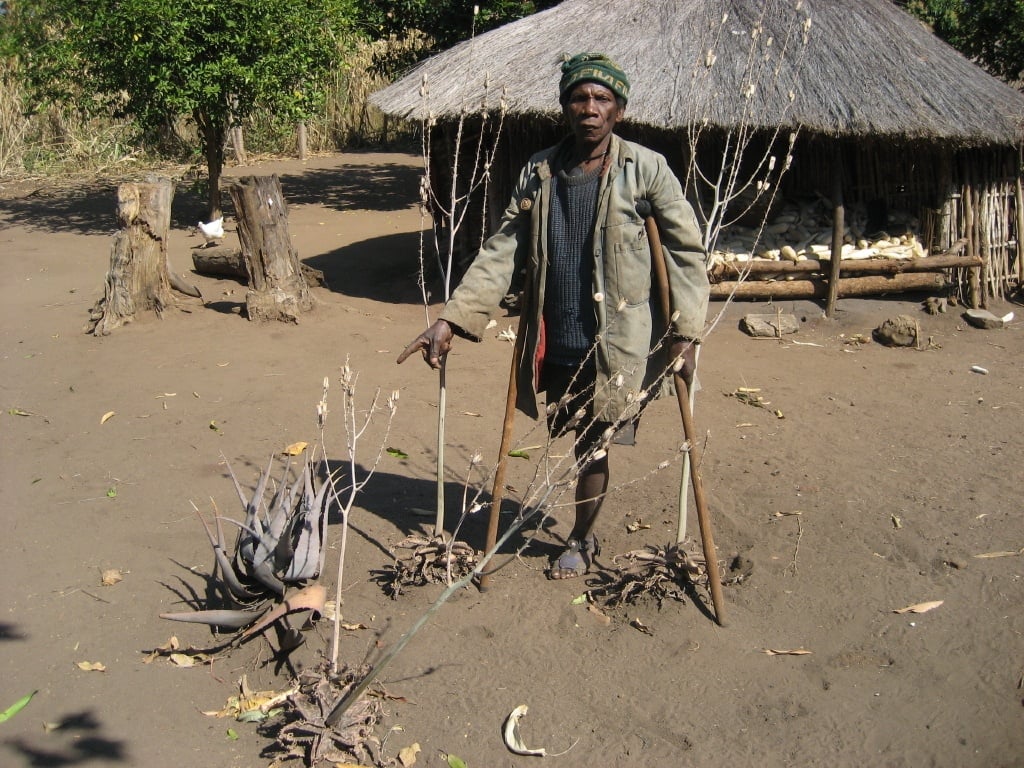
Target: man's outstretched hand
(434, 343)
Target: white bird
(213, 231)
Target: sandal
(575, 560)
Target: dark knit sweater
(569, 319)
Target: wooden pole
(1019, 234)
(972, 244)
(838, 227)
(302, 140)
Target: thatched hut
(886, 118)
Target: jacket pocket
(629, 271)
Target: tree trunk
(213, 135)
(139, 278)
(277, 287)
(238, 144)
(235, 132)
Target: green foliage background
(100, 83)
(988, 31)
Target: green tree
(445, 22)
(988, 31)
(212, 61)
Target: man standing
(592, 322)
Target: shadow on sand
(359, 181)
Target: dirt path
(872, 482)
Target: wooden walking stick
(683, 397)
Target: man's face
(592, 112)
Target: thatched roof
(837, 67)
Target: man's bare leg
(590, 492)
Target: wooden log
(761, 268)
(874, 285)
(277, 287)
(223, 261)
(219, 261)
(139, 276)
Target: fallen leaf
(637, 624)
(455, 762)
(639, 525)
(183, 660)
(295, 448)
(16, 707)
(111, 493)
(920, 607)
(579, 599)
(214, 427)
(230, 733)
(110, 577)
(792, 652)
(19, 412)
(107, 417)
(407, 756)
(397, 453)
(91, 666)
(171, 645)
(471, 413)
(896, 522)
(352, 627)
(50, 727)
(519, 454)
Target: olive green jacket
(629, 324)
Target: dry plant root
(300, 730)
(659, 573)
(430, 561)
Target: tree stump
(277, 287)
(139, 277)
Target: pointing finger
(419, 343)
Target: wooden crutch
(683, 397)
(498, 487)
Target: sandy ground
(873, 481)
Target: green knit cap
(592, 67)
